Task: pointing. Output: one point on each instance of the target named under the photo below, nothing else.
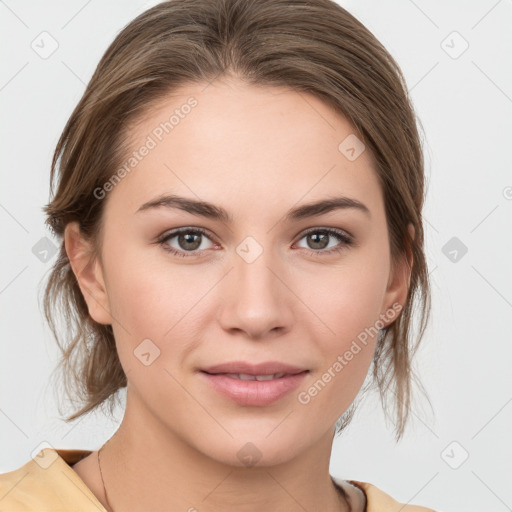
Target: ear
(88, 273)
(398, 283)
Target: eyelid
(341, 232)
(171, 233)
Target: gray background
(459, 458)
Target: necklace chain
(103, 481)
(112, 510)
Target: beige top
(47, 483)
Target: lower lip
(255, 393)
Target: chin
(255, 448)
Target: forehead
(233, 140)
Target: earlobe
(88, 273)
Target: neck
(164, 472)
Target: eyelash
(346, 240)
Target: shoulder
(47, 483)
(379, 501)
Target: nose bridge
(256, 300)
(253, 258)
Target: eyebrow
(212, 211)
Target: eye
(319, 239)
(188, 240)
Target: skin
(177, 444)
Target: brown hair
(315, 47)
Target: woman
(239, 197)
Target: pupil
(322, 239)
(187, 241)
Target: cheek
(348, 300)
(152, 299)
(137, 282)
(348, 308)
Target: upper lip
(265, 368)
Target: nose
(255, 297)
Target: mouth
(263, 369)
(254, 385)
(247, 376)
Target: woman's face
(266, 275)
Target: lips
(254, 385)
(246, 376)
(243, 367)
